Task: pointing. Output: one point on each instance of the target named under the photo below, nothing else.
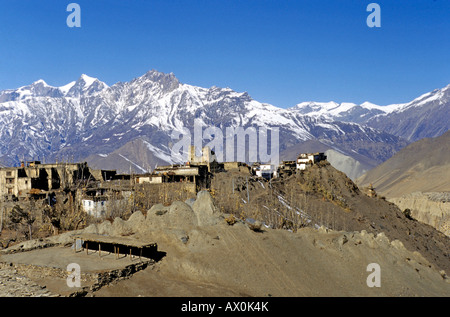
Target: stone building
(34, 178)
(308, 159)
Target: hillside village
(233, 151)
(93, 189)
(172, 219)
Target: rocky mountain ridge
(425, 116)
(89, 119)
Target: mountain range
(128, 126)
(424, 117)
(423, 166)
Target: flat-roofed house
(308, 159)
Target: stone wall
(16, 279)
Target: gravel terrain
(14, 285)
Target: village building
(195, 174)
(287, 168)
(91, 188)
(103, 175)
(33, 178)
(236, 166)
(181, 173)
(95, 190)
(267, 171)
(148, 178)
(207, 157)
(97, 200)
(308, 159)
(193, 177)
(96, 207)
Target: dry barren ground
(205, 256)
(235, 261)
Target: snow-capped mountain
(129, 124)
(346, 111)
(39, 120)
(425, 116)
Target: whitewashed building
(308, 159)
(267, 171)
(95, 207)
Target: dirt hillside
(423, 166)
(417, 179)
(309, 234)
(324, 196)
(206, 255)
(223, 260)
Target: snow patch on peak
(334, 110)
(41, 81)
(65, 89)
(392, 108)
(320, 108)
(87, 79)
(369, 105)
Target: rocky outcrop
(432, 208)
(204, 209)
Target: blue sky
(281, 51)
